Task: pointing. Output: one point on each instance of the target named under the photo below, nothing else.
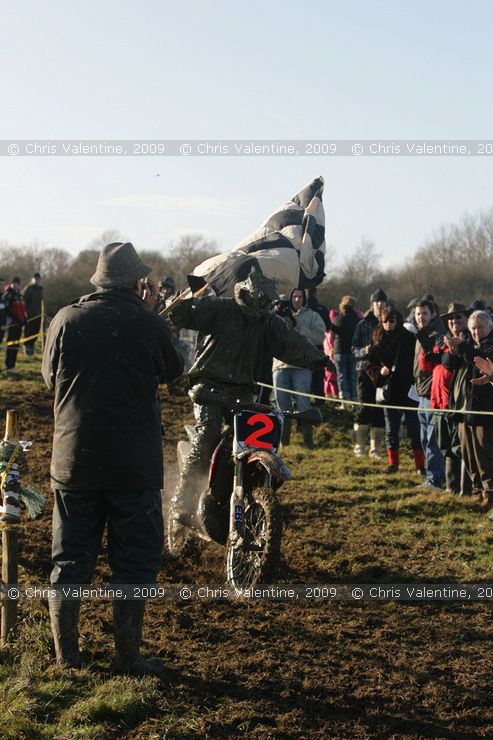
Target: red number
(267, 426)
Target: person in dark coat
(390, 364)
(105, 356)
(33, 298)
(367, 417)
(468, 393)
(343, 328)
(430, 333)
(3, 311)
(16, 319)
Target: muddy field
(313, 670)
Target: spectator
(469, 392)
(367, 417)
(390, 365)
(105, 356)
(3, 310)
(456, 477)
(343, 328)
(410, 320)
(33, 298)
(318, 376)
(16, 318)
(311, 326)
(430, 334)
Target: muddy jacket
(105, 355)
(362, 339)
(463, 395)
(427, 339)
(231, 343)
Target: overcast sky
(236, 70)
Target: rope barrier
(375, 405)
(21, 341)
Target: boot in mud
(64, 617)
(286, 433)
(307, 431)
(128, 618)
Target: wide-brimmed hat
(454, 309)
(119, 264)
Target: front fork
(238, 500)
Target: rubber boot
(64, 617)
(376, 442)
(360, 435)
(307, 431)
(393, 458)
(419, 462)
(128, 618)
(452, 474)
(465, 481)
(286, 433)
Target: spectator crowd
(21, 314)
(428, 375)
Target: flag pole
(182, 297)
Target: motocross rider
(232, 335)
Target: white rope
(374, 405)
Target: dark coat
(105, 355)
(427, 339)
(33, 297)
(231, 344)
(362, 339)
(476, 397)
(343, 328)
(396, 347)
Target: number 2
(267, 426)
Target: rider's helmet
(256, 293)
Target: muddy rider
(232, 336)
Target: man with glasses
(429, 335)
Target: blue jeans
(297, 379)
(435, 469)
(346, 376)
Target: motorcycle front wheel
(253, 557)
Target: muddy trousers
(193, 478)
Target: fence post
(9, 551)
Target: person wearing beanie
(367, 418)
(105, 356)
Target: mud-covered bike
(239, 507)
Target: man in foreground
(105, 356)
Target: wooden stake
(9, 551)
(42, 326)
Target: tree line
(455, 263)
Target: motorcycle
(239, 508)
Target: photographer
(311, 326)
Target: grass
(384, 669)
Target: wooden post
(42, 326)
(9, 551)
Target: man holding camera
(105, 356)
